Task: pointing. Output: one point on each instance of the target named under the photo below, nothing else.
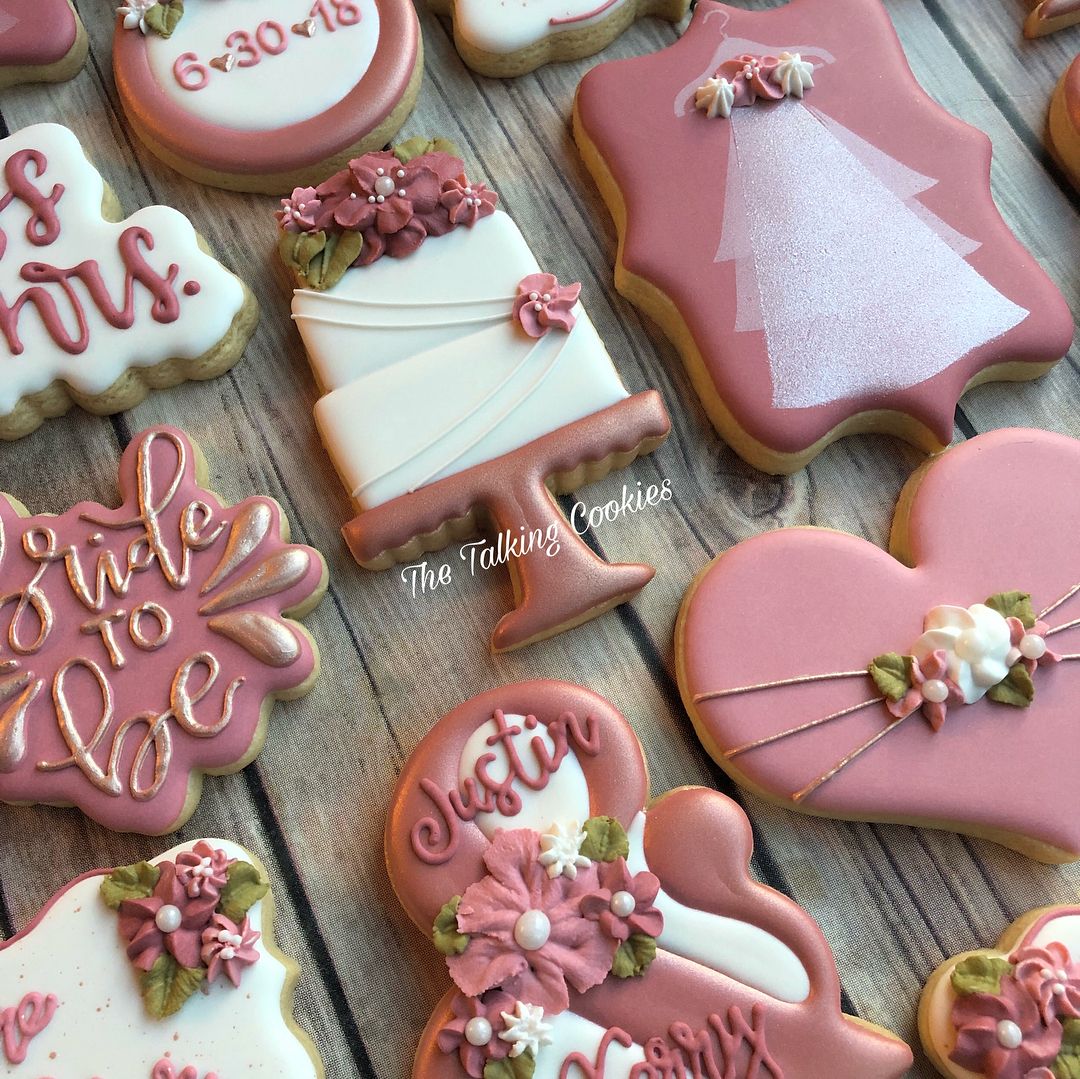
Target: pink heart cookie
(925, 687)
(585, 928)
(144, 645)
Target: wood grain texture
(892, 901)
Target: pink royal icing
(36, 33)
(23, 1022)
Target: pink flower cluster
(935, 668)
(751, 77)
(394, 205)
(1017, 1033)
(542, 303)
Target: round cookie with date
(264, 95)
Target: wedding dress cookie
(1013, 1012)
(587, 930)
(822, 272)
(1049, 15)
(462, 384)
(937, 686)
(262, 95)
(160, 970)
(146, 645)
(40, 41)
(97, 309)
(504, 40)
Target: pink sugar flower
(228, 947)
(473, 1033)
(542, 303)
(203, 870)
(1052, 978)
(624, 902)
(931, 689)
(298, 212)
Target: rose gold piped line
(809, 789)
(798, 730)
(715, 694)
(1071, 655)
(1058, 602)
(1065, 625)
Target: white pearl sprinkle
(547, 297)
(1032, 646)
(401, 174)
(532, 930)
(371, 198)
(623, 904)
(538, 307)
(1009, 1035)
(380, 198)
(228, 953)
(401, 192)
(1059, 990)
(168, 918)
(379, 172)
(534, 295)
(478, 1031)
(223, 936)
(935, 691)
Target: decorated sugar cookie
(1063, 128)
(143, 646)
(504, 40)
(262, 95)
(97, 309)
(1013, 1011)
(589, 931)
(462, 381)
(818, 669)
(161, 970)
(40, 41)
(1049, 15)
(867, 289)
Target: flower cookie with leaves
(1010, 1013)
(582, 926)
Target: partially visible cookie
(40, 41)
(1063, 126)
(504, 40)
(1011, 1011)
(165, 969)
(1050, 15)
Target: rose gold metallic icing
(43, 32)
(994, 513)
(625, 108)
(698, 843)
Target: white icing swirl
(976, 642)
(715, 97)
(793, 74)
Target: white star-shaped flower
(525, 1029)
(715, 97)
(793, 74)
(134, 12)
(560, 850)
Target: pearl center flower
(532, 930)
(478, 1031)
(168, 918)
(623, 904)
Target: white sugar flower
(560, 850)
(134, 12)
(525, 1029)
(715, 97)
(977, 644)
(793, 74)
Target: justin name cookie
(265, 95)
(145, 645)
(818, 668)
(587, 930)
(97, 309)
(464, 385)
(165, 969)
(867, 290)
(40, 41)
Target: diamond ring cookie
(40, 41)
(161, 970)
(587, 929)
(818, 668)
(821, 271)
(505, 40)
(463, 384)
(262, 95)
(97, 309)
(145, 645)
(1048, 16)
(1013, 1011)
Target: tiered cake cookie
(937, 686)
(823, 272)
(504, 40)
(146, 645)
(462, 383)
(95, 309)
(1049, 15)
(1010, 1013)
(161, 970)
(1063, 126)
(587, 931)
(40, 41)
(262, 95)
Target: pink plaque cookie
(1012, 1012)
(40, 41)
(161, 970)
(934, 686)
(823, 270)
(588, 931)
(262, 95)
(144, 646)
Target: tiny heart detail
(224, 63)
(305, 28)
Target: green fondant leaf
(445, 932)
(1016, 689)
(980, 974)
(342, 250)
(1013, 605)
(1067, 1064)
(164, 17)
(167, 985)
(605, 840)
(244, 888)
(519, 1067)
(418, 146)
(634, 956)
(129, 882)
(891, 673)
(319, 260)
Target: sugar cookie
(40, 41)
(1049, 15)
